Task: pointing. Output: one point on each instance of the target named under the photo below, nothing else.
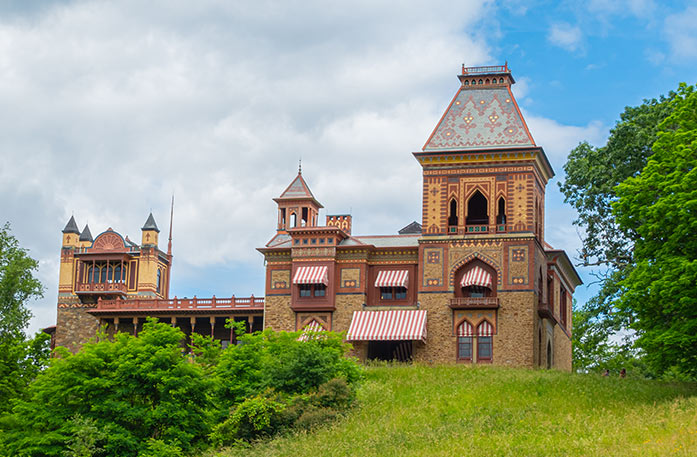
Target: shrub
(158, 448)
(336, 394)
(255, 417)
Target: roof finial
(300, 165)
(171, 217)
(463, 68)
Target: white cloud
(565, 36)
(108, 108)
(681, 32)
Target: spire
(300, 166)
(150, 224)
(71, 226)
(86, 235)
(171, 218)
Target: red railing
(485, 70)
(101, 287)
(182, 303)
(474, 302)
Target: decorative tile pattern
(350, 277)
(280, 279)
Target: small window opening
(501, 216)
(293, 220)
(393, 293)
(477, 213)
(159, 281)
(484, 349)
(476, 291)
(452, 219)
(464, 348)
(283, 218)
(304, 217)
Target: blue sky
(110, 107)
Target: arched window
(283, 218)
(487, 81)
(501, 214)
(477, 210)
(485, 347)
(540, 289)
(465, 334)
(159, 280)
(293, 220)
(549, 355)
(303, 222)
(562, 306)
(550, 293)
(476, 280)
(452, 218)
(467, 83)
(481, 82)
(501, 80)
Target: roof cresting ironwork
(485, 70)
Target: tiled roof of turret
(297, 189)
(150, 224)
(481, 117)
(71, 226)
(86, 235)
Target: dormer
(297, 207)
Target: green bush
(335, 393)
(158, 448)
(255, 417)
(133, 389)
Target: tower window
(452, 219)
(304, 217)
(293, 220)
(501, 215)
(477, 210)
(283, 218)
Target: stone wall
(440, 341)
(278, 315)
(513, 343)
(562, 350)
(74, 327)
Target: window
(313, 290)
(304, 217)
(393, 293)
(501, 214)
(293, 220)
(283, 218)
(464, 347)
(484, 348)
(452, 219)
(477, 210)
(476, 291)
(562, 306)
(159, 281)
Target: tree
(591, 177)
(132, 390)
(17, 285)
(658, 209)
(20, 359)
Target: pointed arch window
(452, 218)
(501, 213)
(484, 341)
(293, 220)
(477, 209)
(465, 334)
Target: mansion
(474, 282)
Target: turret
(86, 237)
(297, 207)
(71, 234)
(150, 232)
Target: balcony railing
(545, 311)
(181, 304)
(474, 302)
(101, 288)
(485, 70)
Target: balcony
(474, 303)
(545, 311)
(195, 305)
(104, 288)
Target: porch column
(212, 326)
(135, 326)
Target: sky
(109, 108)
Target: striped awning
(311, 275)
(312, 327)
(393, 325)
(485, 329)
(465, 329)
(394, 278)
(476, 276)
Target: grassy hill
(487, 411)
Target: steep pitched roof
(414, 227)
(297, 190)
(71, 226)
(150, 224)
(86, 235)
(480, 118)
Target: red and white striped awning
(465, 329)
(476, 276)
(312, 327)
(311, 275)
(394, 278)
(485, 329)
(393, 325)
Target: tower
(297, 207)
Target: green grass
(488, 411)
